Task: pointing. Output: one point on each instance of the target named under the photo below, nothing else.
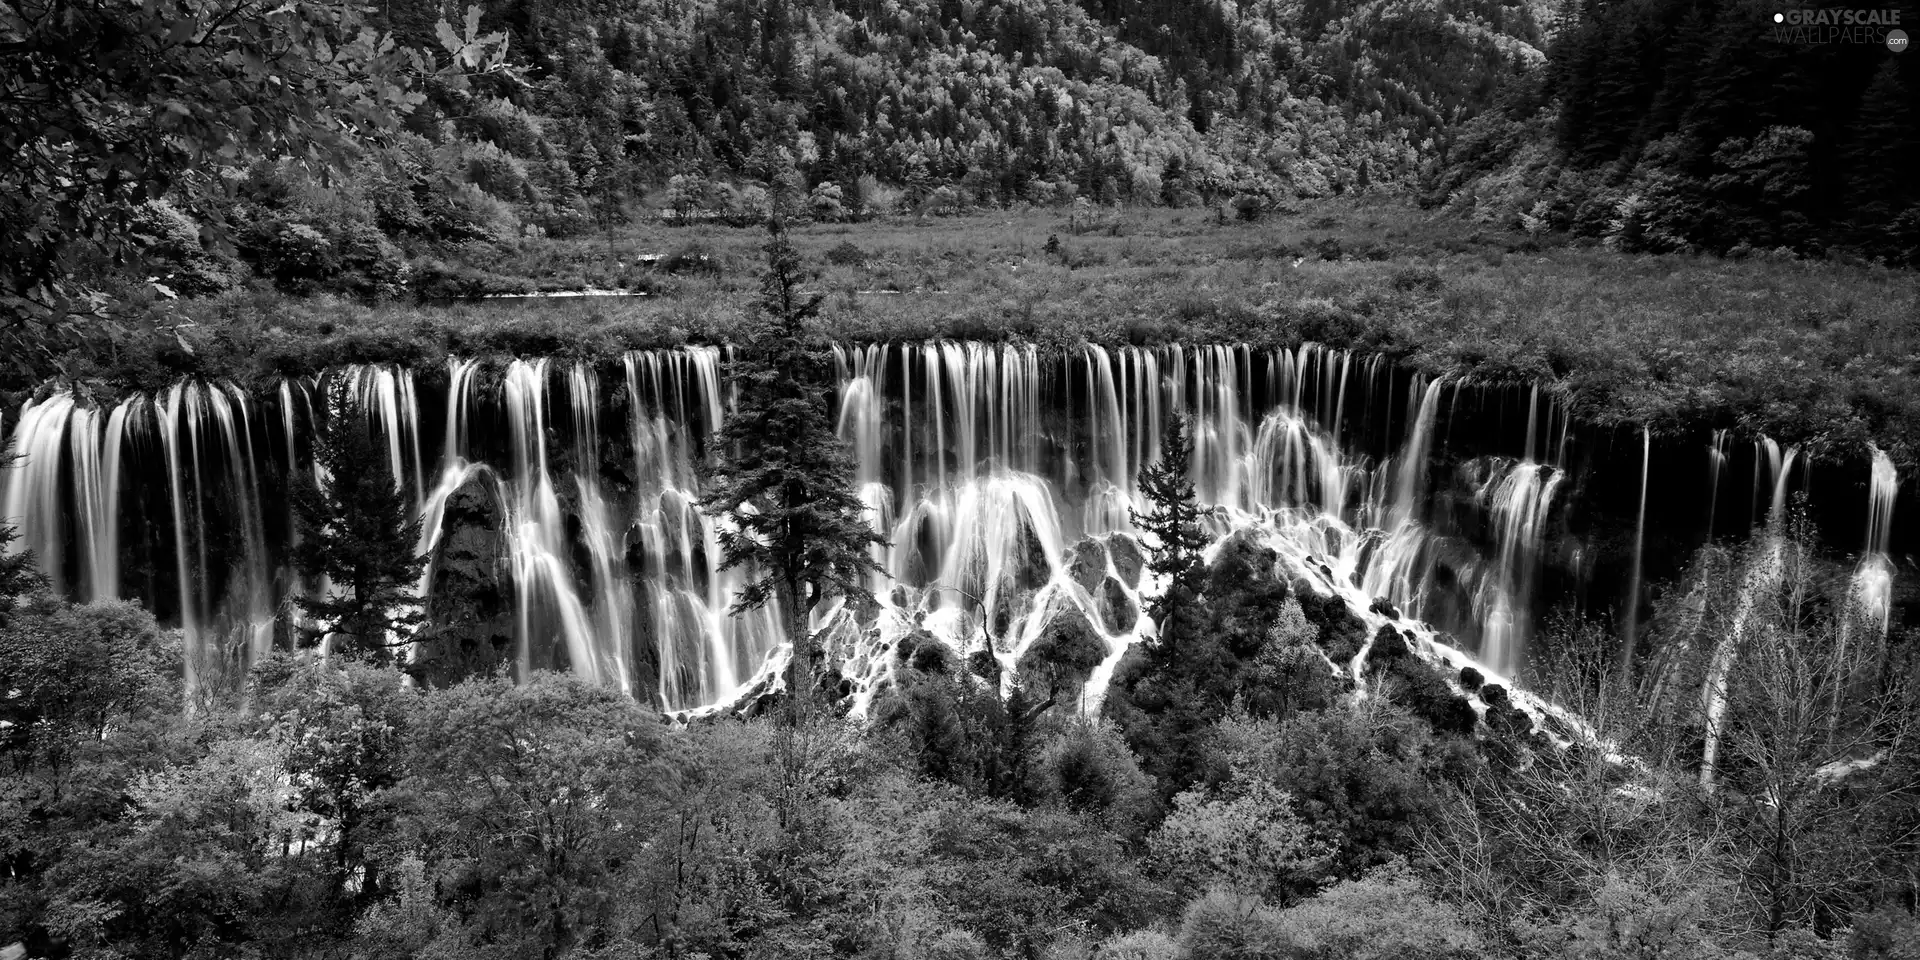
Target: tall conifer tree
(1173, 521)
(357, 531)
(783, 477)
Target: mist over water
(1003, 477)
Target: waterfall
(34, 483)
(1002, 476)
(1761, 577)
(1716, 463)
(1873, 578)
(1519, 499)
(1630, 608)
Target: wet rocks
(470, 595)
(1342, 632)
(1128, 558)
(1118, 613)
(1087, 563)
(1388, 650)
(1065, 653)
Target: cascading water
(1873, 579)
(1761, 577)
(1630, 612)
(1519, 498)
(1003, 478)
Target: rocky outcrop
(470, 595)
(1118, 613)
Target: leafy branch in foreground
(106, 106)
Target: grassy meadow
(1818, 352)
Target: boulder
(1388, 649)
(1128, 558)
(1065, 653)
(1087, 563)
(1117, 610)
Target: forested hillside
(1667, 125)
(1032, 100)
(206, 137)
(378, 153)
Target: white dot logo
(1779, 18)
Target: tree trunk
(800, 661)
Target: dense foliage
(1687, 124)
(320, 147)
(329, 808)
(123, 128)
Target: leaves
(104, 106)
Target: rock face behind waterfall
(1104, 566)
(471, 589)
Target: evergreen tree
(1165, 696)
(782, 480)
(356, 531)
(1173, 523)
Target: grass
(1813, 352)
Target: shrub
(1084, 218)
(493, 170)
(432, 280)
(1247, 207)
(1088, 769)
(1139, 945)
(694, 258)
(1385, 915)
(744, 206)
(826, 203)
(687, 195)
(1422, 690)
(1629, 919)
(370, 267)
(955, 945)
(299, 258)
(1289, 673)
(845, 254)
(174, 255)
(872, 197)
(1245, 838)
(1888, 933)
(1361, 778)
(1223, 924)
(942, 202)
